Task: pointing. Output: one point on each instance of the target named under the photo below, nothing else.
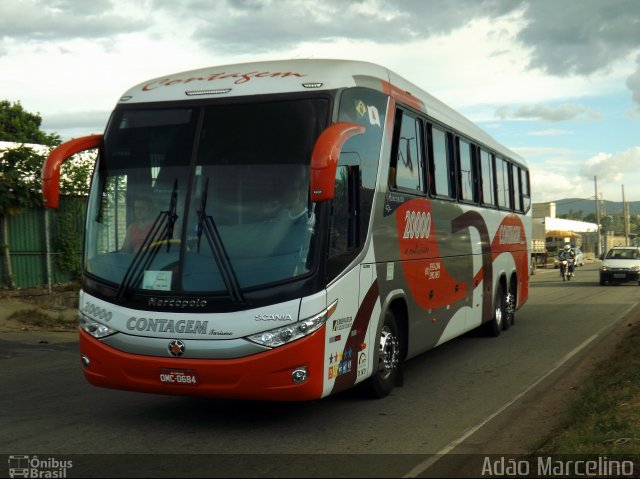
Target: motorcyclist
(567, 253)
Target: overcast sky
(558, 81)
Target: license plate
(619, 275)
(179, 377)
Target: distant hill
(589, 206)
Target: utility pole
(625, 213)
(599, 243)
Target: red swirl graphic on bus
(511, 238)
(430, 284)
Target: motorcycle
(566, 269)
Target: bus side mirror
(325, 155)
(51, 168)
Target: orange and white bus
(305, 226)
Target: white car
(579, 256)
(621, 264)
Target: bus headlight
(285, 334)
(94, 328)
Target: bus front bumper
(264, 376)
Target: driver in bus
(139, 228)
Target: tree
(20, 187)
(20, 169)
(591, 218)
(573, 215)
(20, 126)
(75, 174)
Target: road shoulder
(522, 427)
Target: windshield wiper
(207, 225)
(161, 231)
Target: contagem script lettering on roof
(240, 78)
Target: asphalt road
(47, 409)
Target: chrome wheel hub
(389, 352)
(499, 315)
(511, 305)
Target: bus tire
(510, 307)
(388, 372)
(494, 326)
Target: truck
(538, 248)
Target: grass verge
(604, 418)
(38, 318)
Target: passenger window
(440, 163)
(408, 174)
(502, 177)
(487, 178)
(526, 192)
(466, 173)
(517, 200)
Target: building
(557, 232)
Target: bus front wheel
(388, 371)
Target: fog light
(286, 334)
(300, 375)
(85, 361)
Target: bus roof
(303, 75)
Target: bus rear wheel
(494, 326)
(388, 371)
(510, 307)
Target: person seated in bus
(294, 219)
(143, 217)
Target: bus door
(348, 343)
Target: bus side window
(517, 199)
(487, 178)
(502, 176)
(344, 235)
(466, 172)
(339, 231)
(406, 171)
(526, 192)
(440, 165)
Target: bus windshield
(211, 199)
